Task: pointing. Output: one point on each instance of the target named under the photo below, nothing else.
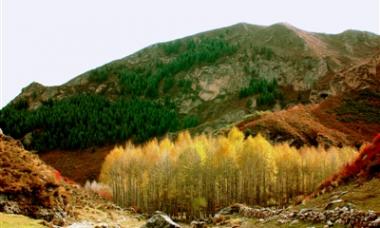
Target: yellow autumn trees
(195, 176)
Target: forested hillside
(205, 82)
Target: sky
(52, 41)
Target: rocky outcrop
(345, 215)
(160, 220)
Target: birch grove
(196, 176)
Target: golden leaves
(186, 173)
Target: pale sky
(52, 41)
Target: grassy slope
(364, 196)
(11, 221)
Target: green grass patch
(12, 221)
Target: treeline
(267, 91)
(197, 176)
(87, 120)
(146, 80)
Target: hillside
(30, 187)
(210, 79)
(350, 117)
(289, 84)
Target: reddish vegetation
(27, 185)
(30, 187)
(366, 166)
(79, 165)
(356, 132)
(313, 125)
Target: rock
(1, 132)
(225, 211)
(220, 219)
(371, 216)
(27, 139)
(282, 221)
(339, 221)
(101, 225)
(84, 224)
(375, 223)
(296, 221)
(333, 203)
(160, 220)
(45, 214)
(231, 209)
(10, 207)
(329, 223)
(304, 210)
(198, 224)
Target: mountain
(286, 83)
(205, 82)
(308, 89)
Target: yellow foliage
(199, 174)
(110, 163)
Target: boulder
(375, 223)
(198, 224)
(235, 208)
(160, 220)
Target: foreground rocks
(160, 220)
(338, 216)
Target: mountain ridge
(216, 78)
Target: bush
(264, 52)
(21, 104)
(172, 47)
(185, 84)
(257, 86)
(190, 121)
(100, 74)
(101, 189)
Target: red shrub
(105, 194)
(367, 165)
(58, 176)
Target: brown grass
(78, 165)
(312, 125)
(28, 182)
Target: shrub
(101, 189)
(267, 91)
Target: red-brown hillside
(28, 186)
(78, 165)
(335, 121)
